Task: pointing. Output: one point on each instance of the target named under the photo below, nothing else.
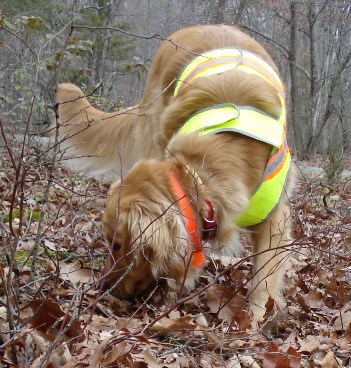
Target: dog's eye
(116, 247)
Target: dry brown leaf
(111, 358)
(343, 321)
(166, 324)
(84, 353)
(48, 317)
(294, 357)
(248, 361)
(150, 359)
(173, 360)
(222, 301)
(98, 355)
(59, 357)
(309, 345)
(74, 273)
(233, 362)
(201, 321)
(329, 361)
(275, 358)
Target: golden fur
(142, 219)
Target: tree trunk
(239, 12)
(313, 97)
(219, 18)
(298, 135)
(100, 55)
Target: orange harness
(210, 225)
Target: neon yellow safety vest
(245, 120)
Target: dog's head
(146, 232)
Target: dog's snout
(105, 288)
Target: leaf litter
(55, 315)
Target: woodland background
(110, 43)
(52, 310)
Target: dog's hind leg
(270, 239)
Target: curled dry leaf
(166, 324)
(109, 355)
(309, 345)
(201, 320)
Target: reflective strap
(276, 161)
(197, 257)
(222, 60)
(208, 67)
(245, 120)
(199, 60)
(266, 197)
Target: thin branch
(17, 36)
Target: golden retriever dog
(200, 158)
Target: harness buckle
(209, 223)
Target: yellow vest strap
(222, 60)
(268, 193)
(246, 120)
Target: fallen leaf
(275, 358)
(233, 362)
(74, 273)
(221, 301)
(150, 359)
(166, 324)
(294, 356)
(248, 361)
(343, 321)
(329, 361)
(309, 345)
(201, 320)
(47, 316)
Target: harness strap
(270, 189)
(198, 258)
(221, 60)
(245, 120)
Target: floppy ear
(158, 231)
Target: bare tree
(298, 136)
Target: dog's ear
(158, 231)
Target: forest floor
(53, 314)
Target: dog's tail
(76, 114)
(91, 140)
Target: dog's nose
(105, 287)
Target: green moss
(16, 213)
(34, 215)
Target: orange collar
(198, 258)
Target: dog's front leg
(270, 239)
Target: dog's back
(184, 45)
(100, 141)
